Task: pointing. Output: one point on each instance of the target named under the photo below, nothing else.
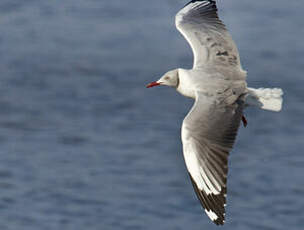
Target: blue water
(85, 146)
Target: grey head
(170, 78)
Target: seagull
(217, 83)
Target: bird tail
(268, 99)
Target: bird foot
(244, 120)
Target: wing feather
(208, 135)
(211, 43)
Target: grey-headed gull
(217, 82)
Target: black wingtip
(210, 202)
(193, 1)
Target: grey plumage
(217, 82)
(210, 128)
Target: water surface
(85, 146)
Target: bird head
(170, 78)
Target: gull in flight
(217, 83)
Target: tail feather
(268, 99)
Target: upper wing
(208, 134)
(210, 41)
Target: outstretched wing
(210, 41)
(208, 135)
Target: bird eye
(167, 78)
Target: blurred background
(85, 146)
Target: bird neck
(185, 87)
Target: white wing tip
(214, 217)
(211, 215)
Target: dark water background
(85, 146)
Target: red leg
(244, 120)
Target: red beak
(152, 84)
